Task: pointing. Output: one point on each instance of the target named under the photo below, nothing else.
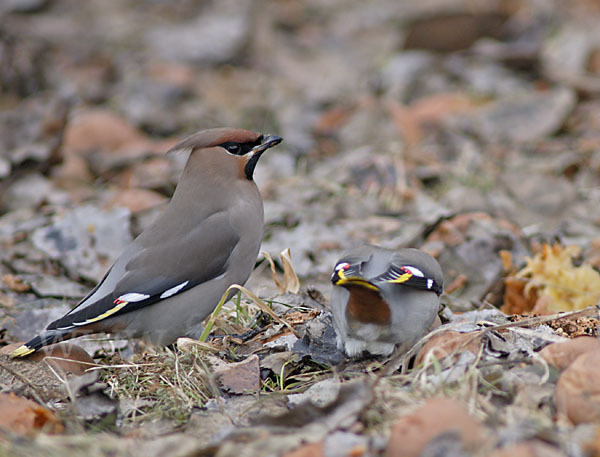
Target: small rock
(54, 286)
(31, 317)
(411, 434)
(31, 191)
(140, 98)
(33, 130)
(530, 190)
(525, 118)
(241, 377)
(25, 417)
(86, 240)
(320, 394)
(563, 354)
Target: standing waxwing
(383, 298)
(174, 273)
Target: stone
(86, 240)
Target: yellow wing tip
(22, 351)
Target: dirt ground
(469, 129)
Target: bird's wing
(158, 272)
(408, 275)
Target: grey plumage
(383, 298)
(174, 273)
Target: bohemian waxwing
(382, 298)
(175, 272)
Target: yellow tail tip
(22, 351)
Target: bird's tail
(43, 339)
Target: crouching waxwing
(383, 298)
(174, 273)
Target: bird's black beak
(267, 141)
(335, 278)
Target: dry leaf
(449, 343)
(551, 279)
(25, 417)
(562, 354)
(290, 283)
(15, 283)
(577, 394)
(411, 434)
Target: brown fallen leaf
(62, 356)
(449, 343)
(137, 200)
(452, 231)
(577, 393)
(561, 355)
(332, 119)
(290, 282)
(240, 377)
(411, 434)
(516, 300)
(434, 108)
(25, 417)
(99, 129)
(555, 281)
(15, 283)
(459, 282)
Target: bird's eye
(233, 148)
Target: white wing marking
(415, 271)
(173, 290)
(133, 297)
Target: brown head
(233, 153)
